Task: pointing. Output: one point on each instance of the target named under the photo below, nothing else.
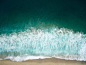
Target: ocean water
(32, 29)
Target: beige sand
(52, 61)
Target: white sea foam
(24, 58)
(19, 59)
(59, 43)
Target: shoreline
(47, 61)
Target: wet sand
(52, 61)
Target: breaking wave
(37, 43)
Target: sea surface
(38, 29)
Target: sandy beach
(52, 61)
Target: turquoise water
(42, 29)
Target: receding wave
(37, 43)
